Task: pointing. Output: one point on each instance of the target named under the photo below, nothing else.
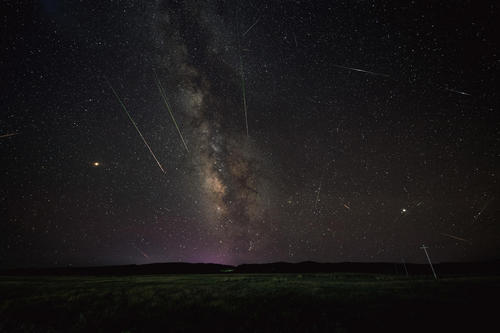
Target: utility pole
(423, 247)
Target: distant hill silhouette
(473, 268)
(160, 268)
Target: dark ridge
(473, 268)
(147, 269)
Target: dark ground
(339, 302)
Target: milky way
(203, 82)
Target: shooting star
(478, 215)
(133, 123)
(317, 195)
(318, 192)
(457, 91)
(244, 94)
(141, 252)
(361, 70)
(7, 135)
(251, 27)
(164, 96)
(457, 238)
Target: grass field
(248, 303)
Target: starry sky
(248, 131)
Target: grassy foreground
(247, 303)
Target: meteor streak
(318, 192)
(457, 91)
(317, 196)
(478, 215)
(142, 252)
(7, 135)
(133, 123)
(244, 94)
(457, 238)
(163, 95)
(251, 27)
(361, 70)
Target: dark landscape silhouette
(462, 268)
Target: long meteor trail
(456, 238)
(361, 70)
(164, 96)
(244, 94)
(136, 128)
(7, 135)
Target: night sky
(306, 130)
